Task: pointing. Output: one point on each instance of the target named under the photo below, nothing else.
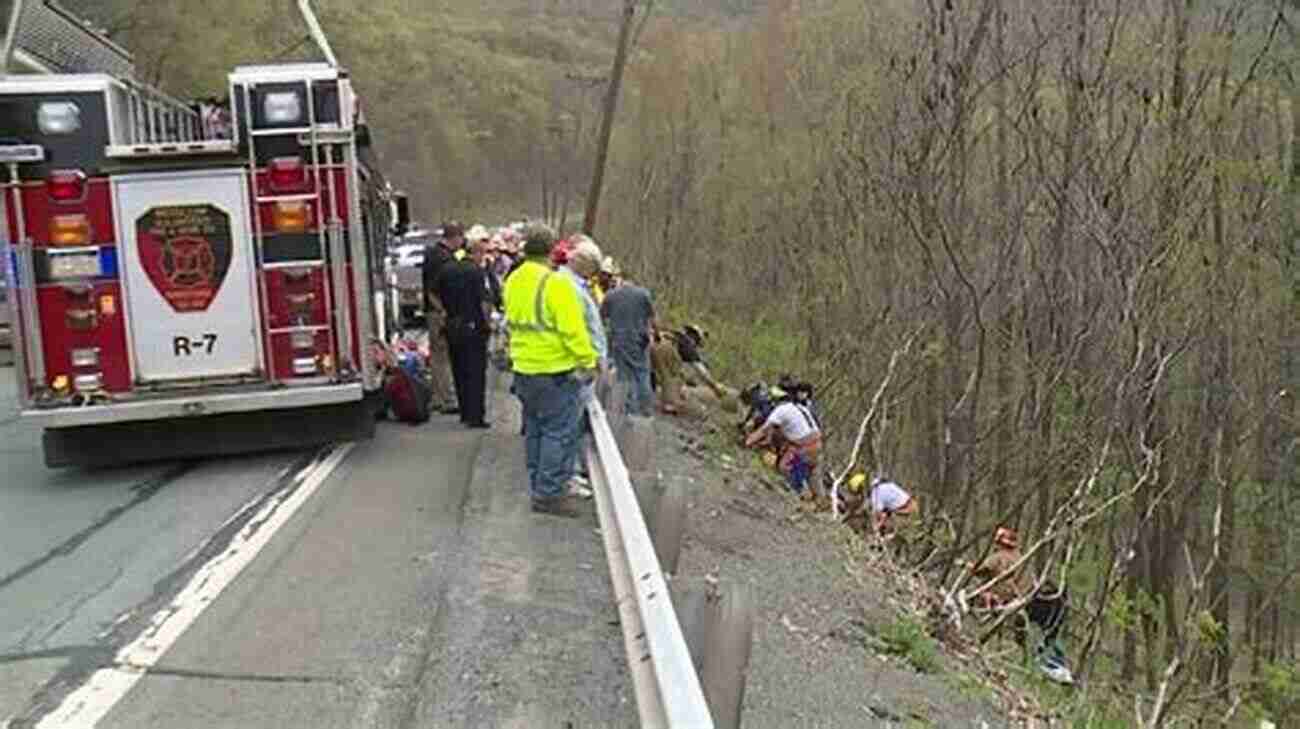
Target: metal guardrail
(668, 690)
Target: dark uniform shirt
(463, 290)
(436, 257)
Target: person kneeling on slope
(801, 435)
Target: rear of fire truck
(185, 279)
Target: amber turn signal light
(69, 230)
(292, 217)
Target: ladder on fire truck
(321, 192)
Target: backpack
(408, 396)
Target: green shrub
(908, 639)
(1278, 693)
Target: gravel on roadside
(816, 659)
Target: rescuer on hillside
(465, 295)
(757, 399)
(1046, 609)
(435, 257)
(690, 343)
(666, 365)
(553, 359)
(849, 503)
(800, 442)
(889, 502)
(801, 392)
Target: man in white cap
(583, 262)
(606, 279)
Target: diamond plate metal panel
(58, 39)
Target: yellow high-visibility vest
(548, 327)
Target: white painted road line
(88, 704)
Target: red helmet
(560, 252)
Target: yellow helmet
(857, 481)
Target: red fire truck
(186, 279)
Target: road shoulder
(531, 635)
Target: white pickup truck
(407, 266)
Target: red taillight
(287, 174)
(67, 185)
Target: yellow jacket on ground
(548, 329)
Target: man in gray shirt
(629, 316)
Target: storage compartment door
(188, 263)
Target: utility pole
(607, 118)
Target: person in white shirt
(799, 440)
(887, 500)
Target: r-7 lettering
(186, 346)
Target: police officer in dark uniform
(462, 288)
(436, 258)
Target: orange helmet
(1005, 537)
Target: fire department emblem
(188, 262)
(186, 252)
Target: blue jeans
(633, 365)
(552, 423)
(800, 472)
(586, 395)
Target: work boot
(566, 505)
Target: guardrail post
(664, 508)
(718, 625)
(669, 525)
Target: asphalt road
(398, 582)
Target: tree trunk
(607, 116)
(1005, 322)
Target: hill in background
(479, 107)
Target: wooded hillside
(1070, 223)
(1073, 223)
